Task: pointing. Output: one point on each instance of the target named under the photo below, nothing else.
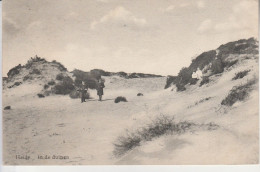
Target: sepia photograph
(130, 82)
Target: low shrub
(59, 77)
(51, 82)
(228, 64)
(140, 94)
(14, 71)
(90, 79)
(120, 99)
(205, 80)
(170, 80)
(65, 87)
(40, 95)
(17, 83)
(180, 87)
(35, 71)
(76, 94)
(241, 74)
(193, 81)
(238, 93)
(27, 77)
(60, 66)
(46, 86)
(7, 108)
(217, 66)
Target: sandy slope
(58, 125)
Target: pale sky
(150, 36)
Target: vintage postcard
(130, 82)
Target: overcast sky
(151, 36)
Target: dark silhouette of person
(100, 87)
(83, 93)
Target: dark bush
(205, 80)
(17, 83)
(60, 66)
(241, 74)
(27, 77)
(202, 60)
(238, 93)
(97, 73)
(122, 74)
(217, 66)
(242, 46)
(140, 94)
(40, 95)
(169, 81)
(193, 81)
(14, 71)
(35, 71)
(120, 99)
(89, 79)
(65, 87)
(59, 77)
(7, 108)
(51, 82)
(180, 87)
(228, 64)
(76, 94)
(46, 86)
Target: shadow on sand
(90, 100)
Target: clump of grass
(200, 101)
(203, 100)
(238, 93)
(205, 80)
(160, 126)
(140, 94)
(33, 60)
(120, 99)
(241, 74)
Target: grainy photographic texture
(113, 82)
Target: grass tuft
(238, 93)
(241, 74)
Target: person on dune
(100, 87)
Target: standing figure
(83, 93)
(100, 87)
